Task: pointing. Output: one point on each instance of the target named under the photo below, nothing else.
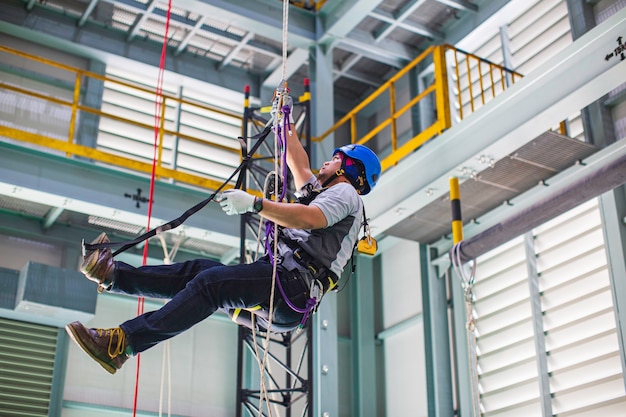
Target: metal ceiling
(371, 39)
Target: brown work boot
(108, 347)
(98, 264)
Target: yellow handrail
(467, 80)
(128, 162)
(440, 87)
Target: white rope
(467, 279)
(266, 340)
(285, 33)
(166, 358)
(467, 283)
(168, 259)
(168, 256)
(264, 395)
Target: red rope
(158, 104)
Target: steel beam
(463, 351)
(538, 328)
(435, 309)
(363, 379)
(339, 18)
(325, 370)
(57, 31)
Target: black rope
(180, 220)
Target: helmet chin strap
(337, 174)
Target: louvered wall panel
(582, 348)
(538, 34)
(536, 37)
(26, 366)
(577, 306)
(504, 329)
(188, 156)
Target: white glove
(236, 202)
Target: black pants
(198, 289)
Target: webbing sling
(260, 137)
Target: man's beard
(322, 177)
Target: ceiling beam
(92, 41)
(196, 27)
(233, 52)
(259, 16)
(51, 217)
(339, 18)
(463, 5)
(295, 60)
(142, 17)
(400, 22)
(388, 52)
(88, 10)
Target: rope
(280, 152)
(158, 104)
(271, 230)
(467, 283)
(285, 34)
(166, 359)
(168, 257)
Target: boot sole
(75, 337)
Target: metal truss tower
(288, 356)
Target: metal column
(436, 339)
(364, 380)
(325, 373)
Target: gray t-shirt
(331, 246)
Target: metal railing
(474, 79)
(77, 105)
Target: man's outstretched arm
(297, 158)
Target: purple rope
(269, 226)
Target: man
(316, 242)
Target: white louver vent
(577, 324)
(537, 36)
(578, 317)
(214, 133)
(26, 366)
(504, 330)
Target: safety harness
(322, 279)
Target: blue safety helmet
(365, 173)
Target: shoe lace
(117, 341)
